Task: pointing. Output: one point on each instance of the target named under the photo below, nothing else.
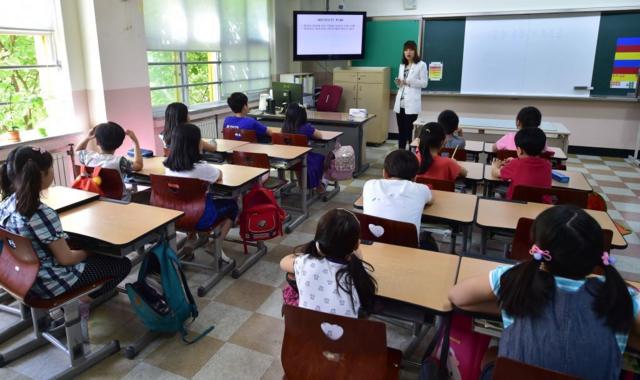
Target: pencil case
(562, 178)
(145, 153)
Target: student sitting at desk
(25, 174)
(330, 275)
(239, 104)
(109, 137)
(529, 168)
(396, 196)
(449, 121)
(175, 115)
(296, 122)
(555, 315)
(528, 117)
(432, 165)
(184, 160)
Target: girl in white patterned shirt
(330, 274)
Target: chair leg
(24, 312)
(219, 267)
(261, 250)
(39, 318)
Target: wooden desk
(577, 181)
(558, 154)
(116, 224)
(62, 198)
(475, 170)
(455, 209)
(324, 135)
(504, 215)
(352, 130)
(227, 146)
(470, 146)
(419, 277)
(232, 175)
(283, 152)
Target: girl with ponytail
(555, 314)
(432, 165)
(24, 175)
(330, 274)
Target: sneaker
(224, 257)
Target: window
(200, 51)
(31, 76)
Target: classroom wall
(592, 123)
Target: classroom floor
(246, 341)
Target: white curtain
(27, 14)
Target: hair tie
(318, 248)
(608, 259)
(539, 254)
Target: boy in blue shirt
(239, 104)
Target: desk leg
(304, 201)
(483, 242)
(465, 238)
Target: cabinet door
(349, 95)
(370, 97)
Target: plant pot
(11, 136)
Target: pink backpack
(466, 350)
(342, 163)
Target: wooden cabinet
(366, 87)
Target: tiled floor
(246, 341)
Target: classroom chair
(247, 135)
(326, 346)
(111, 185)
(189, 196)
(460, 153)
(329, 98)
(387, 231)
(437, 184)
(259, 160)
(523, 240)
(557, 196)
(509, 369)
(293, 139)
(21, 266)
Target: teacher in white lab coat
(412, 78)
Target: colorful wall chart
(626, 63)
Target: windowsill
(23, 141)
(197, 110)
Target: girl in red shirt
(432, 165)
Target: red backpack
(89, 182)
(261, 217)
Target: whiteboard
(546, 55)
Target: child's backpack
(342, 163)
(163, 305)
(466, 350)
(261, 217)
(89, 182)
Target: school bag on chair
(89, 182)
(466, 350)
(163, 306)
(341, 163)
(261, 217)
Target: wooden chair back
(289, 139)
(387, 231)
(19, 264)
(256, 160)
(247, 135)
(360, 352)
(556, 196)
(508, 369)
(183, 194)
(461, 154)
(437, 184)
(523, 240)
(112, 185)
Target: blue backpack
(165, 312)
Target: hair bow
(539, 254)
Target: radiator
(62, 168)
(207, 127)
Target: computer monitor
(285, 93)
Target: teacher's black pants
(405, 127)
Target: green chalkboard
(443, 41)
(612, 27)
(383, 43)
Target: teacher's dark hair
(410, 45)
